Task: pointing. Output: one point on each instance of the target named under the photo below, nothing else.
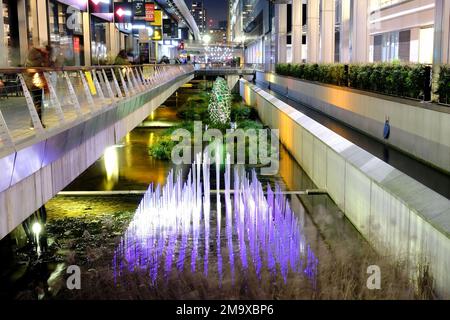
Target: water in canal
(93, 225)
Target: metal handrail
(98, 87)
(12, 70)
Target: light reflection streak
(111, 162)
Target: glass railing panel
(14, 107)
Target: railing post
(97, 85)
(136, 83)
(130, 81)
(54, 96)
(116, 84)
(427, 85)
(37, 124)
(73, 95)
(5, 135)
(141, 71)
(124, 84)
(108, 85)
(87, 92)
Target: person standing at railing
(35, 81)
(122, 59)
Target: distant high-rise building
(223, 25)
(218, 36)
(198, 11)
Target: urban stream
(87, 221)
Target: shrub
(400, 79)
(240, 112)
(250, 124)
(195, 108)
(283, 69)
(162, 149)
(444, 84)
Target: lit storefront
(66, 30)
(15, 31)
(101, 18)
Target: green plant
(395, 78)
(220, 103)
(195, 108)
(249, 124)
(162, 149)
(443, 89)
(240, 112)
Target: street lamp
(206, 39)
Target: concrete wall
(395, 213)
(421, 130)
(57, 160)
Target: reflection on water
(176, 225)
(111, 161)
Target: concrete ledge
(40, 169)
(421, 130)
(396, 214)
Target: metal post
(130, 82)
(136, 83)
(5, 135)
(73, 95)
(54, 96)
(124, 84)
(97, 85)
(141, 71)
(37, 124)
(87, 91)
(140, 79)
(108, 85)
(116, 84)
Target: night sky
(215, 9)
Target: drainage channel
(428, 176)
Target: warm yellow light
(111, 161)
(151, 140)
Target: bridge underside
(40, 169)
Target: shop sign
(158, 20)
(139, 9)
(150, 12)
(123, 12)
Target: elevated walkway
(85, 111)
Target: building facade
(218, 36)
(341, 30)
(198, 11)
(83, 31)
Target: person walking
(35, 81)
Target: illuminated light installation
(220, 103)
(173, 223)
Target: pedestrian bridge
(85, 111)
